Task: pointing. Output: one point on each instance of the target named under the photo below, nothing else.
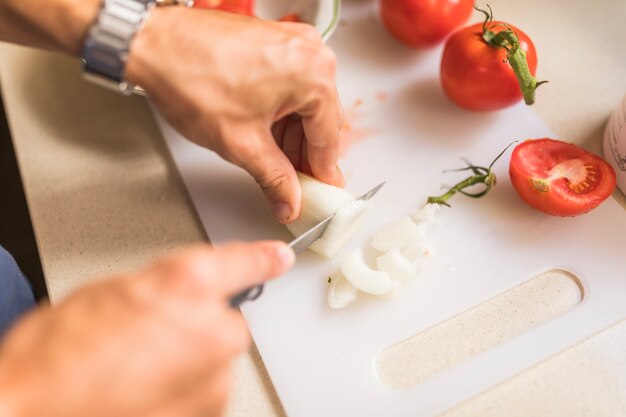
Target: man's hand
(157, 343)
(261, 94)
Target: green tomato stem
(482, 175)
(467, 182)
(516, 56)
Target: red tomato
(291, 17)
(244, 7)
(424, 23)
(560, 178)
(477, 76)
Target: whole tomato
(479, 76)
(424, 23)
(244, 7)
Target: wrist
(145, 45)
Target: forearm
(58, 25)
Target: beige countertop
(105, 196)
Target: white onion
(341, 228)
(396, 235)
(420, 248)
(397, 265)
(340, 292)
(427, 214)
(320, 200)
(362, 276)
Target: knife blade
(299, 245)
(302, 242)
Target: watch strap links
(106, 47)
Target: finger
(206, 397)
(239, 266)
(226, 336)
(322, 122)
(276, 176)
(212, 397)
(223, 270)
(292, 141)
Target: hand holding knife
(299, 245)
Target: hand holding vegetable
(152, 344)
(233, 84)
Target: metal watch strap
(108, 41)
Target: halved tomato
(560, 178)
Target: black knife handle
(250, 294)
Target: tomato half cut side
(560, 178)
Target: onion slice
(395, 235)
(341, 292)
(341, 228)
(397, 265)
(320, 200)
(359, 274)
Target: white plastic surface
(322, 360)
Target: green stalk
(467, 182)
(482, 175)
(516, 57)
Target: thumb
(277, 177)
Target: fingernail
(281, 212)
(286, 255)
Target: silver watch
(107, 43)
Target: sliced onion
(362, 276)
(427, 214)
(320, 200)
(341, 292)
(396, 235)
(397, 265)
(421, 248)
(341, 228)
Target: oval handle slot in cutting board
(479, 329)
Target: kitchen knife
(299, 245)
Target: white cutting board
(321, 360)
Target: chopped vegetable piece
(397, 265)
(321, 200)
(362, 276)
(396, 235)
(341, 292)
